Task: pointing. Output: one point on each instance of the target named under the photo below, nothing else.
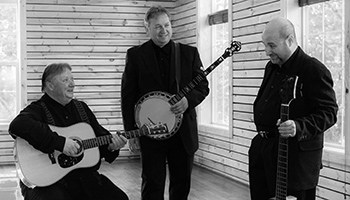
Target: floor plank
(206, 185)
(126, 174)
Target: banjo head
(154, 108)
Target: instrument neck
(282, 160)
(189, 87)
(107, 139)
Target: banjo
(154, 107)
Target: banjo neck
(235, 46)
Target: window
(214, 36)
(324, 38)
(9, 60)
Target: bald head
(281, 26)
(280, 40)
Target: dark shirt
(163, 56)
(267, 107)
(32, 125)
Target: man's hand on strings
(180, 107)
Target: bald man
(310, 115)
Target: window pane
(7, 92)
(221, 75)
(8, 61)
(325, 41)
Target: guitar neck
(107, 139)
(282, 160)
(189, 87)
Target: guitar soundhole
(67, 161)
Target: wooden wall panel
(92, 36)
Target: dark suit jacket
(314, 111)
(141, 75)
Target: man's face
(276, 48)
(160, 30)
(62, 87)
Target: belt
(267, 134)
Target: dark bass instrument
(288, 94)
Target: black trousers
(155, 156)
(89, 187)
(262, 171)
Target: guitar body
(35, 167)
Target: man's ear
(49, 85)
(146, 28)
(291, 40)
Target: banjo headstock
(235, 46)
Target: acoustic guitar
(287, 94)
(36, 168)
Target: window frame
(21, 61)
(204, 33)
(292, 11)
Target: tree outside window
(8, 60)
(324, 39)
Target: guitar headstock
(235, 46)
(288, 89)
(155, 129)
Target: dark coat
(141, 75)
(314, 111)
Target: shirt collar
(165, 49)
(50, 100)
(288, 64)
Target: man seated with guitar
(310, 114)
(58, 108)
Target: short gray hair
(52, 70)
(154, 12)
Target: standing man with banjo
(154, 72)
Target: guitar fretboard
(282, 160)
(107, 139)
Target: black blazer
(314, 111)
(141, 75)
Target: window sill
(222, 131)
(335, 156)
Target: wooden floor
(206, 185)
